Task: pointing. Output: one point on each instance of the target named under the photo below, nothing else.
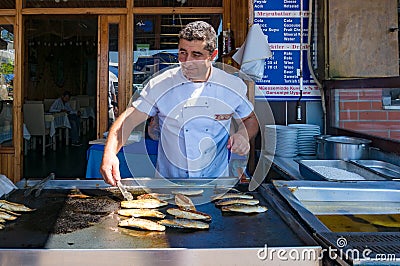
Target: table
(58, 120)
(136, 160)
(86, 113)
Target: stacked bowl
(306, 143)
(281, 140)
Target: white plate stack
(306, 144)
(281, 140)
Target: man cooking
(195, 104)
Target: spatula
(127, 195)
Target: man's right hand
(109, 169)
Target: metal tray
(308, 170)
(380, 167)
(312, 198)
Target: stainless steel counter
(285, 166)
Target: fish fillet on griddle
(184, 223)
(158, 196)
(244, 208)
(141, 213)
(7, 216)
(142, 224)
(231, 195)
(143, 204)
(16, 207)
(189, 214)
(184, 202)
(230, 201)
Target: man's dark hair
(66, 93)
(201, 31)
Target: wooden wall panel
(360, 41)
(102, 72)
(7, 165)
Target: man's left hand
(238, 144)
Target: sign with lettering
(285, 73)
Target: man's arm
(55, 107)
(239, 142)
(117, 136)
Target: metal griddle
(33, 231)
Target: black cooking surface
(41, 228)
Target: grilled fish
(12, 206)
(184, 223)
(143, 204)
(189, 214)
(230, 201)
(142, 224)
(184, 202)
(2, 220)
(10, 212)
(244, 208)
(7, 216)
(231, 195)
(188, 192)
(158, 196)
(141, 213)
(2, 226)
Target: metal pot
(320, 141)
(346, 148)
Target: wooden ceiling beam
(74, 11)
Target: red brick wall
(361, 110)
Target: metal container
(320, 141)
(310, 199)
(346, 148)
(382, 168)
(336, 170)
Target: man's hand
(238, 144)
(109, 169)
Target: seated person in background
(112, 103)
(62, 105)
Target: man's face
(195, 60)
(65, 98)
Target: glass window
(7, 59)
(156, 41)
(73, 4)
(374, 111)
(178, 3)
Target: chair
(34, 121)
(33, 101)
(84, 102)
(47, 104)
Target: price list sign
(287, 37)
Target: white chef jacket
(194, 121)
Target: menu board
(280, 21)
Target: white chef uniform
(194, 121)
